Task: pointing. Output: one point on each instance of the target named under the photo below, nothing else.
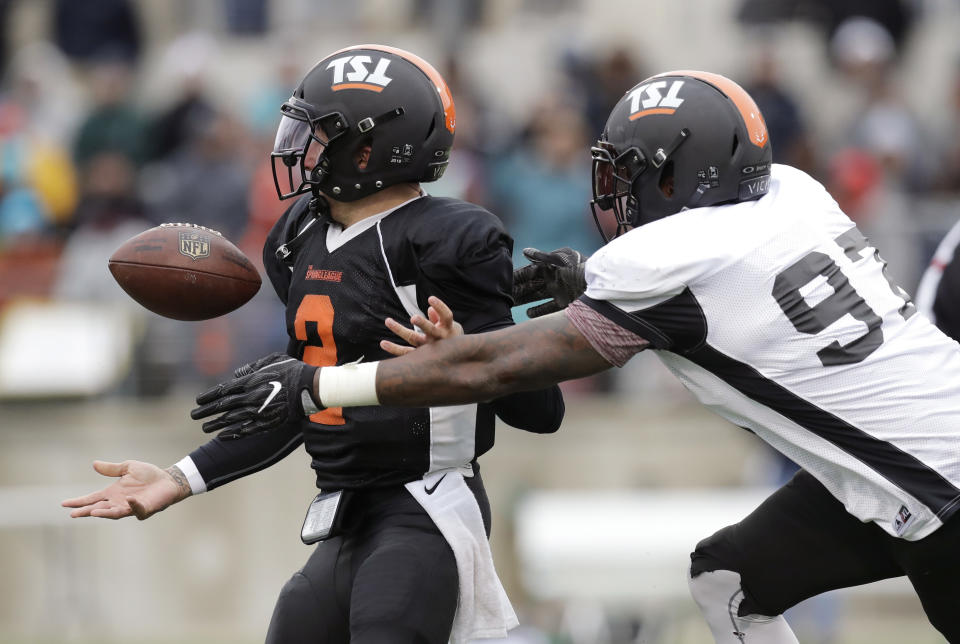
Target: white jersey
(776, 313)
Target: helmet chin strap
(318, 208)
(698, 195)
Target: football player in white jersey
(764, 299)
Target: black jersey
(338, 288)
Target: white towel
(483, 609)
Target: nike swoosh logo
(276, 389)
(431, 490)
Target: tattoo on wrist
(183, 486)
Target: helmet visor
(289, 149)
(298, 157)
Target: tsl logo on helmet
(194, 245)
(359, 76)
(648, 99)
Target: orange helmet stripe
(446, 98)
(372, 88)
(752, 118)
(655, 110)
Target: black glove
(265, 394)
(557, 276)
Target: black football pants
(390, 578)
(801, 542)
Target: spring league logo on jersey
(194, 244)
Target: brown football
(184, 272)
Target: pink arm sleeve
(615, 343)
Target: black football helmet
(678, 140)
(375, 95)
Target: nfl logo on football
(194, 245)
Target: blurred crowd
(86, 164)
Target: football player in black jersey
(402, 516)
(940, 284)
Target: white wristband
(351, 385)
(189, 469)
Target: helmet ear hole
(666, 180)
(736, 145)
(362, 154)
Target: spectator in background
(541, 189)
(261, 114)
(886, 131)
(246, 17)
(37, 182)
(41, 81)
(39, 191)
(93, 30)
(605, 82)
(21, 212)
(948, 179)
(206, 181)
(466, 178)
(183, 67)
(109, 213)
(884, 124)
(113, 124)
(788, 131)
(897, 17)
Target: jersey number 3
(314, 325)
(844, 300)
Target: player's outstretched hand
(440, 325)
(557, 276)
(266, 394)
(141, 490)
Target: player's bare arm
(141, 490)
(531, 355)
(470, 368)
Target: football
(184, 272)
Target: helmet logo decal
(749, 112)
(359, 76)
(648, 99)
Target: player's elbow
(551, 422)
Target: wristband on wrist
(189, 469)
(351, 385)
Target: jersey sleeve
(642, 282)
(220, 461)
(464, 255)
(632, 273)
(617, 343)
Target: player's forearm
(220, 461)
(474, 368)
(180, 479)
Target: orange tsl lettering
(314, 325)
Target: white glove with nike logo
(263, 395)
